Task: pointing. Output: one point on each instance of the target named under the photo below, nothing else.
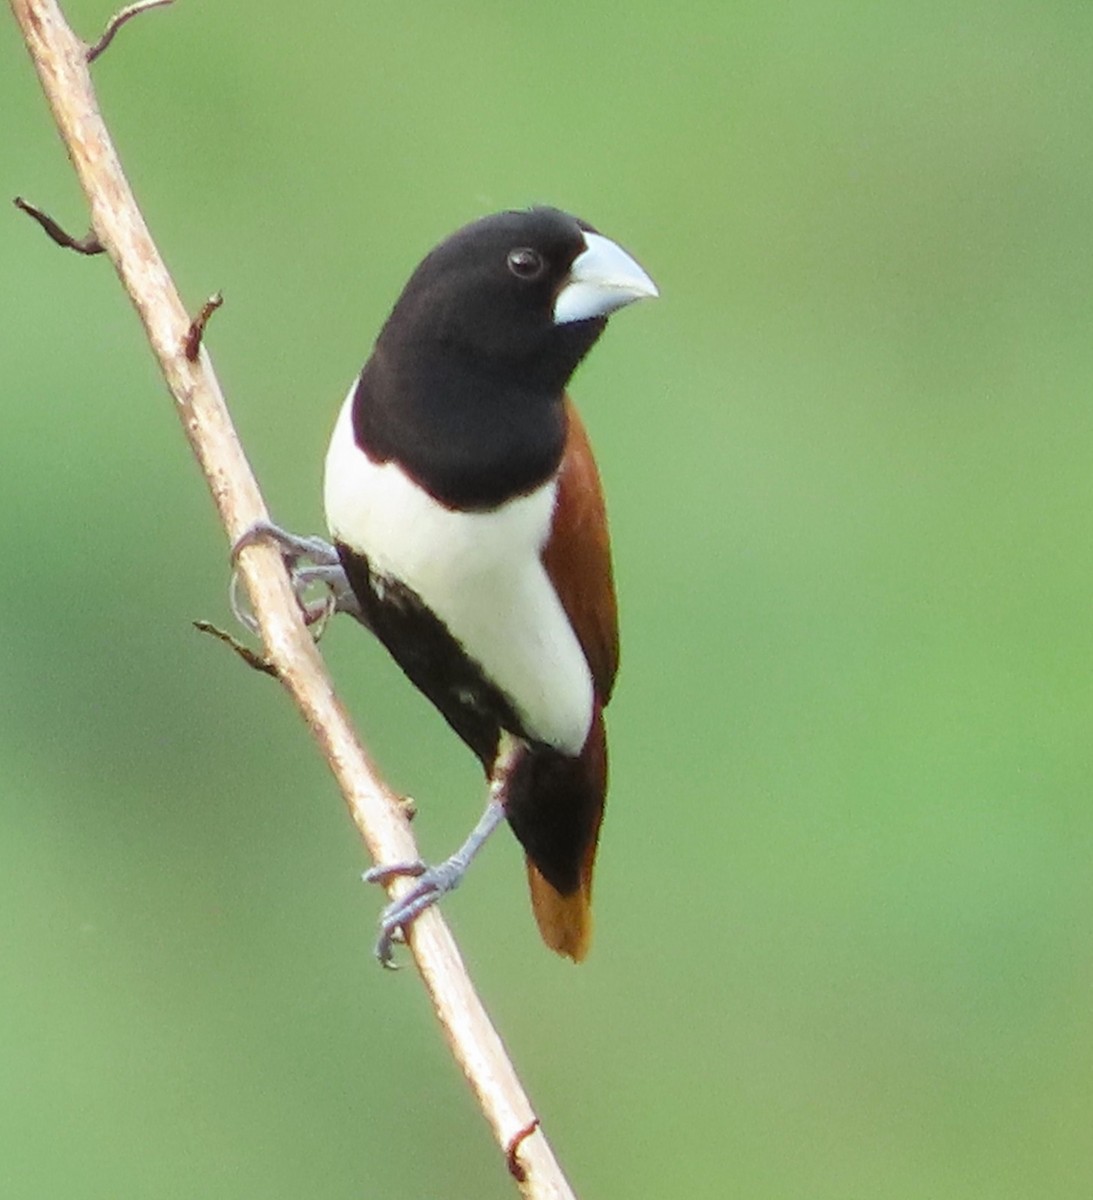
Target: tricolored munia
(469, 535)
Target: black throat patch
(471, 441)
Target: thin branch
(89, 244)
(117, 21)
(252, 659)
(512, 1150)
(60, 59)
(191, 343)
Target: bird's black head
(501, 292)
(465, 386)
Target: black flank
(432, 659)
(546, 805)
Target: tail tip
(565, 922)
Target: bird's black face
(490, 289)
(465, 387)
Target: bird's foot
(310, 562)
(400, 914)
(432, 882)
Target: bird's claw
(400, 914)
(384, 874)
(325, 570)
(293, 547)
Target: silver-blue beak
(603, 278)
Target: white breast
(480, 573)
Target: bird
(469, 534)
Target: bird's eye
(526, 263)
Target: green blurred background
(845, 906)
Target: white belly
(479, 572)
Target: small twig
(516, 1167)
(249, 656)
(192, 342)
(117, 21)
(88, 244)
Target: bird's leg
(434, 882)
(323, 568)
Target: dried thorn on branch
(516, 1167)
(191, 344)
(117, 21)
(245, 652)
(88, 244)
